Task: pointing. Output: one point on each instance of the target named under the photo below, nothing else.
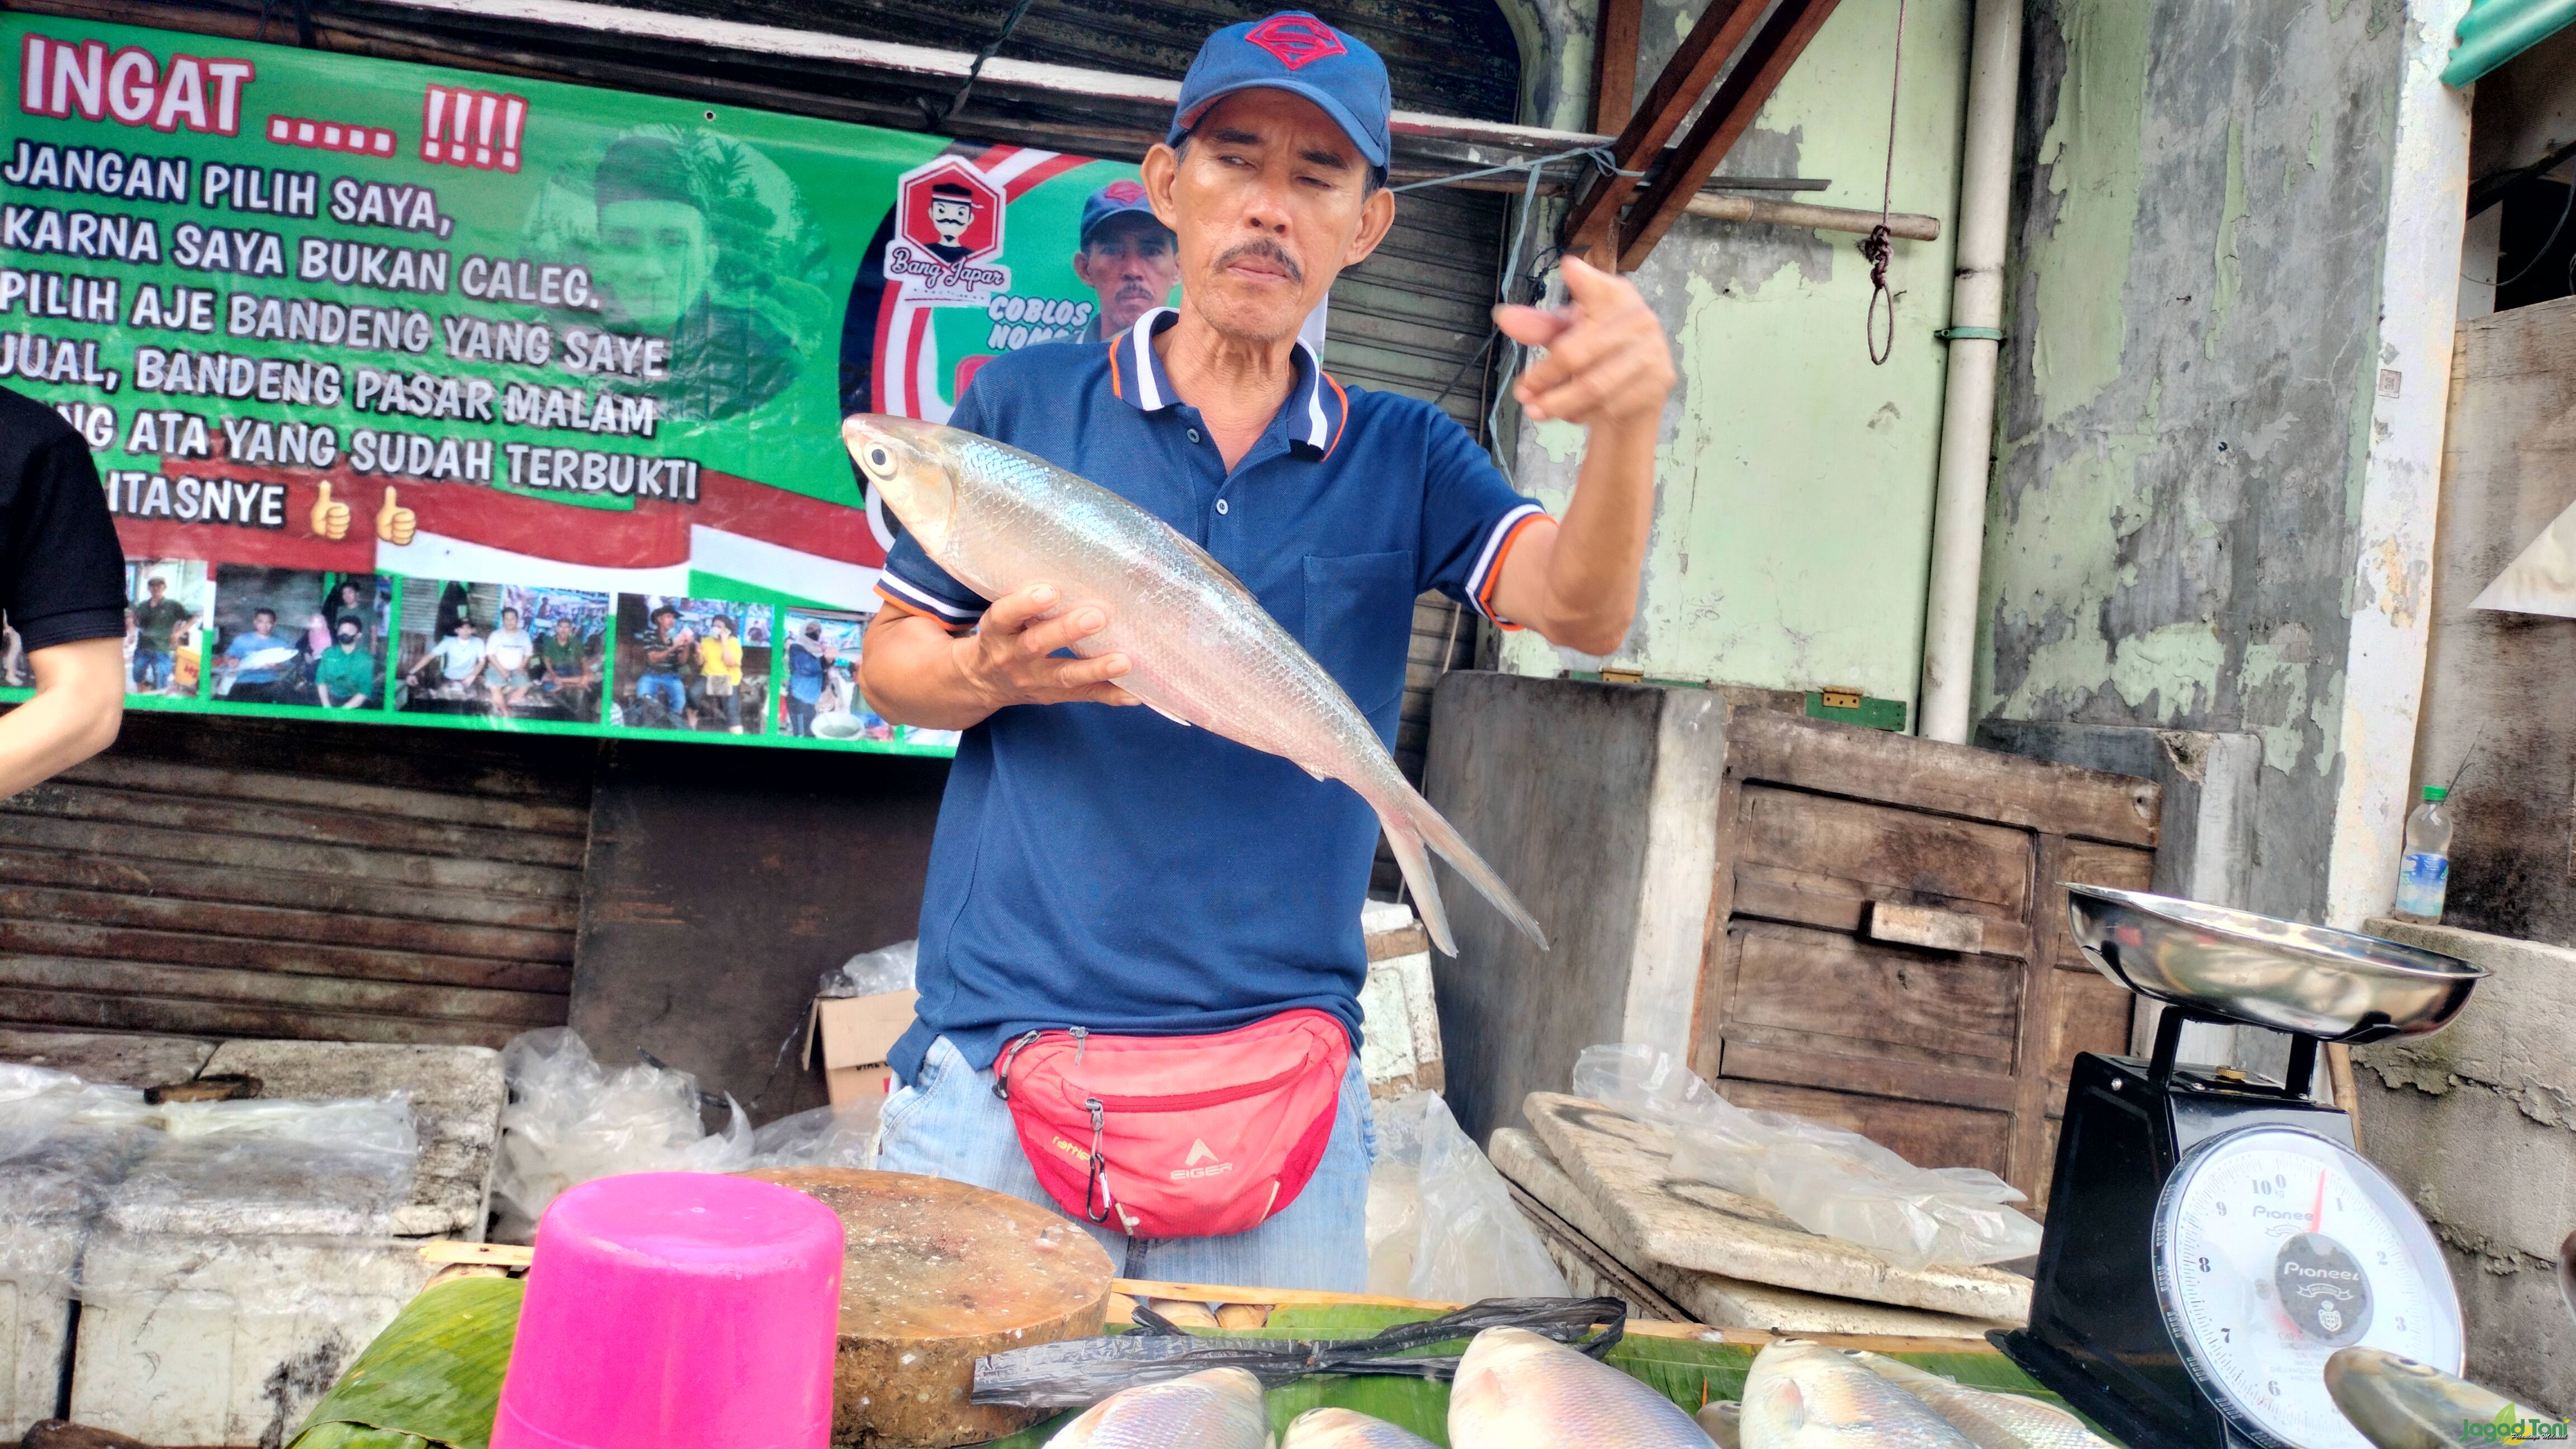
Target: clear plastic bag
(571, 1120)
(1833, 1183)
(37, 1102)
(873, 973)
(1442, 1217)
(271, 1169)
(842, 1136)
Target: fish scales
(1801, 1395)
(1517, 1390)
(1348, 1429)
(1201, 648)
(1989, 1419)
(1213, 1409)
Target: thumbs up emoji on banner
(329, 519)
(395, 524)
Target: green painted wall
(1795, 480)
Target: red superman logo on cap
(1124, 191)
(1296, 39)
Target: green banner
(428, 397)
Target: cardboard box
(855, 1034)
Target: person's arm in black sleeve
(62, 585)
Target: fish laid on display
(1991, 1420)
(1214, 1409)
(1801, 1395)
(2398, 1403)
(1517, 1390)
(1346, 1429)
(1201, 649)
(1723, 1422)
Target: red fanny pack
(1177, 1136)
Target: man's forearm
(79, 700)
(909, 671)
(1576, 583)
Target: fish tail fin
(1411, 826)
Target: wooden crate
(1888, 946)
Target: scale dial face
(2274, 1247)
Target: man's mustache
(1267, 249)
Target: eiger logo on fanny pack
(1200, 1152)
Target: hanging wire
(1530, 168)
(2564, 212)
(1880, 245)
(939, 113)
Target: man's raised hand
(1008, 659)
(1607, 359)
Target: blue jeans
(664, 687)
(151, 669)
(947, 1123)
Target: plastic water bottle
(2426, 871)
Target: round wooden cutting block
(939, 1274)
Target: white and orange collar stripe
(1322, 413)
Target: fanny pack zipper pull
(1098, 1183)
(1002, 1072)
(1081, 1042)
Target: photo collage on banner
(432, 398)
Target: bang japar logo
(948, 225)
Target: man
(565, 658)
(158, 618)
(505, 663)
(952, 210)
(663, 648)
(256, 662)
(655, 260)
(458, 657)
(1125, 254)
(1106, 868)
(809, 660)
(345, 676)
(62, 593)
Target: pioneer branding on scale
(2213, 1238)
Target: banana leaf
(432, 1378)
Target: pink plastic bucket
(678, 1311)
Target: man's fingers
(1072, 675)
(1012, 612)
(1587, 283)
(1531, 326)
(1049, 635)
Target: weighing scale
(2212, 1237)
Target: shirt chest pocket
(1359, 626)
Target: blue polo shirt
(1104, 867)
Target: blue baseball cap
(1295, 52)
(1118, 198)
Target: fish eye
(879, 460)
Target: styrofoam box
(189, 1339)
(49, 1200)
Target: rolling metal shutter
(228, 877)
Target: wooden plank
(391, 896)
(121, 1010)
(1623, 1167)
(127, 1059)
(1403, 941)
(257, 925)
(1922, 1132)
(327, 827)
(1961, 1009)
(1614, 64)
(1713, 37)
(1580, 1258)
(274, 787)
(280, 958)
(1771, 894)
(2092, 1016)
(322, 994)
(540, 769)
(2090, 862)
(1719, 945)
(1754, 1054)
(1731, 108)
(1944, 779)
(511, 887)
(1872, 852)
(2041, 998)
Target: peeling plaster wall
(2202, 214)
(1794, 482)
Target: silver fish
(2398, 1403)
(1215, 1409)
(1344, 1429)
(1722, 1421)
(1990, 1420)
(1801, 1395)
(1516, 1390)
(1202, 650)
